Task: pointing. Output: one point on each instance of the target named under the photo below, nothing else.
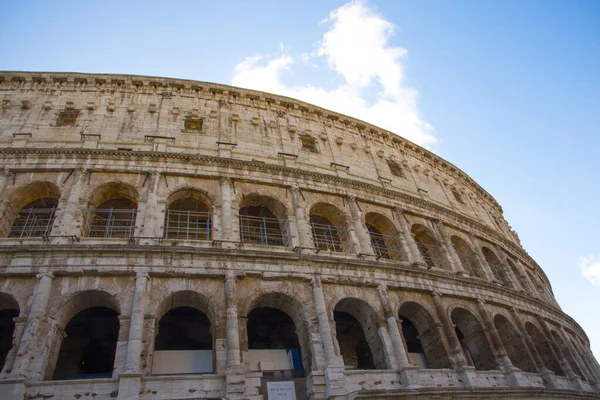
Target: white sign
(281, 390)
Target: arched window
(476, 347)
(356, 332)
(88, 349)
(424, 346)
(188, 216)
(567, 353)
(384, 237)
(496, 266)
(543, 348)
(329, 231)
(518, 354)
(31, 211)
(429, 247)
(263, 221)
(468, 257)
(112, 212)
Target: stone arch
(384, 237)
(185, 341)
(9, 309)
(428, 246)
(329, 228)
(543, 348)
(360, 345)
(30, 211)
(560, 343)
(495, 265)
(112, 211)
(475, 344)
(468, 257)
(91, 328)
(415, 317)
(263, 221)
(188, 215)
(513, 344)
(295, 311)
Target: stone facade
(145, 218)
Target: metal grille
(431, 255)
(469, 263)
(187, 225)
(386, 246)
(329, 238)
(27, 222)
(110, 222)
(264, 231)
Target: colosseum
(174, 239)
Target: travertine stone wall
(453, 262)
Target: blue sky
(509, 91)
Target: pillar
(150, 216)
(72, 215)
(507, 269)
(228, 224)
(481, 258)
(457, 357)
(136, 326)
(335, 379)
(362, 234)
(235, 378)
(37, 312)
(451, 255)
(412, 252)
(302, 224)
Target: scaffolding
(386, 246)
(110, 222)
(329, 238)
(470, 263)
(27, 222)
(432, 255)
(188, 225)
(264, 231)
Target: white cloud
(356, 48)
(590, 268)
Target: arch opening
(263, 221)
(31, 211)
(384, 237)
(475, 345)
(9, 310)
(88, 349)
(467, 257)
(184, 343)
(188, 216)
(357, 335)
(544, 349)
(329, 229)
(112, 212)
(511, 340)
(496, 266)
(422, 337)
(429, 247)
(568, 355)
(273, 343)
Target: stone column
(37, 313)
(514, 375)
(481, 258)
(537, 359)
(71, 217)
(151, 214)
(16, 340)
(448, 248)
(412, 251)
(5, 174)
(362, 234)
(231, 322)
(228, 224)
(136, 326)
(302, 224)
(335, 379)
(457, 357)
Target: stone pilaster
(228, 222)
(5, 174)
(302, 223)
(70, 219)
(335, 379)
(447, 247)
(507, 269)
(235, 378)
(37, 313)
(489, 275)
(362, 234)
(412, 252)
(150, 221)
